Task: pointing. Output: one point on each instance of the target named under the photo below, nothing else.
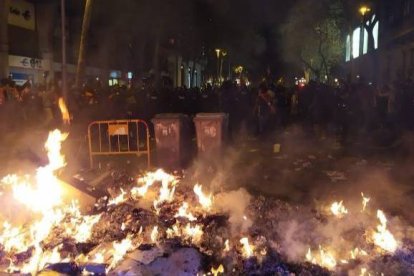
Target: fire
(119, 199)
(154, 234)
(149, 179)
(205, 201)
(119, 250)
(99, 258)
(194, 232)
(325, 258)
(338, 209)
(83, 227)
(365, 201)
(64, 110)
(167, 189)
(184, 213)
(47, 193)
(247, 248)
(382, 237)
(226, 246)
(218, 270)
(355, 253)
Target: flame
(47, 193)
(149, 179)
(205, 201)
(154, 234)
(382, 237)
(83, 227)
(355, 253)
(365, 201)
(119, 251)
(218, 270)
(64, 110)
(325, 258)
(167, 189)
(338, 209)
(195, 233)
(184, 213)
(226, 246)
(119, 199)
(99, 258)
(247, 248)
(364, 272)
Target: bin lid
(170, 116)
(211, 116)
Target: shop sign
(25, 62)
(21, 14)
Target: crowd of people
(342, 110)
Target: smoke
(235, 203)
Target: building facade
(391, 57)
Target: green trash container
(211, 132)
(172, 140)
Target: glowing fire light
(365, 201)
(338, 209)
(325, 258)
(218, 270)
(119, 199)
(119, 250)
(205, 201)
(37, 197)
(184, 213)
(64, 110)
(149, 179)
(226, 246)
(382, 237)
(247, 248)
(154, 234)
(355, 253)
(195, 233)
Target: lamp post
(218, 65)
(363, 10)
(223, 54)
(64, 79)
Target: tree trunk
(4, 39)
(83, 42)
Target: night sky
(247, 29)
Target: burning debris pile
(157, 225)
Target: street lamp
(218, 64)
(223, 54)
(363, 10)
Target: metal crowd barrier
(119, 137)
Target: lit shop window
(355, 42)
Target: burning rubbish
(156, 224)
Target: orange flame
(64, 111)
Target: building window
(355, 42)
(375, 33)
(365, 46)
(348, 48)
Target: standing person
(382, 103)
(263, 109)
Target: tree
(313, 36)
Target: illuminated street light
(218, 52)
(364, 10)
